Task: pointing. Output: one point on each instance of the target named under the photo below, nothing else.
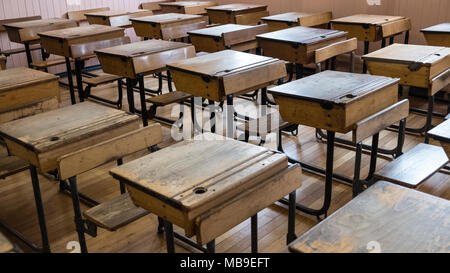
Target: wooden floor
(18, 210)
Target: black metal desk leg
(168, 228)
(130, 96)
(366, 51)
(230, 117)
(254, 232)
(212, 117)
(143, 102)
(291, 218)
(79, 223)
(40, 209)
(357, 187)
(407, 37)
(70, 80)
(79, 77)
(211, 246)
(28, 53)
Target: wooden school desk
(21, 87)
(441, 133)
(209, 185)
(26, 33)
(154, 5)
(186, 7)
(116, 18)
(438, 35)
(134, 61)
(334, 101)
(292, 19)
(371, 28)
(420, 66)
(386, 218)
(297, 44)
(58, 42)
(167, 26)
(243, 14)
(229, 36)
(42, 138)
(222, 75)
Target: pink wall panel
(422, 13)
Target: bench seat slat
(102, 79)
(115, 213)
(415, 166)
(169, 98)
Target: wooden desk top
(292, 17)
(401, 220)
(22, 76)
(37, 23)
(167, 18)
(222, 63)
(50, 130)
(80, 32)
(112, 13)
(217, 31)
(237, 7)
(333, 87)
(28, 30)
(5, 245)
(143, 48)
(188, 3)
(370, 19)
(199, 174)
(441, 132)
(443, 28)
(303, 35)
(407, 54)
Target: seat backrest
(253, 18)
(16, 20)
(94, 156)
(335, 49)
(379, 121)
(153, 5)
(79, 15)
(86, 49)
(236, 37)
(180, 31)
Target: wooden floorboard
(18, 210)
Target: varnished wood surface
(437, 35)
(440, 28)
(27, 31)
(367, 19)
(79, 15)
(237, 8)
(167, 18)
(129, 60)
(290, 19)
(15, 20)
(302, 35)
(334, 100)
(442, 131)
(400, 220)
(59, 41)
(218, 74)
(116, 18)
(40, 139)
(22, 86)
(186, 7)
(141, 236)
(405, 53)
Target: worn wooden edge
(396, 27)
(335, 49)
(440, 81)
(40, 106)
(211, 224)
(379, 121)
(244, 35)
(85, 49)
(91, 157)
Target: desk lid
(142, 48)
(77, 32)
(236, 7)
(209, 170)
(303, 35)
(441, 28)
(409, 54)
(166, 18)
(22, 76)
(333, 87)
(369, 19)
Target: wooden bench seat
(101, 79)
(263, 125)
(415, 166)
(13, 51)
(169, 98)
(115, 213)
(10, 165)
(48, 63)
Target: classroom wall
(422, 12)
